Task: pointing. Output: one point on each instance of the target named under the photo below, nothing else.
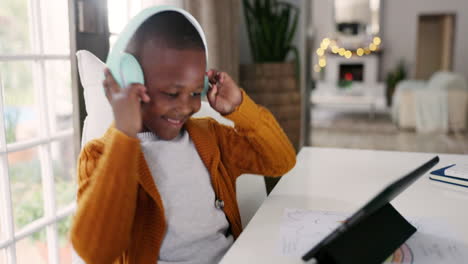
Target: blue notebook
(439, 175)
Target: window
(37, 154)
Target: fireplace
(351, 72)
(362, 70)
(350, 82)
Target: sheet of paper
(459, 170)
(300, 229)
(433, 243)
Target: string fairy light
(331, 45)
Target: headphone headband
(113, 59)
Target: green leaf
(247, 6)
(267, 10)
(249, 12)
(258, 8)
(271, 27)
(298, 62)
(294, 26)
(282, 31)
(267, 33)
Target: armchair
(440, 104)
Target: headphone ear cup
(130, 70)
(206, 86)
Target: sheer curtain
(220, 19)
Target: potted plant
(271, 26)
(393, 78)
(271, 80)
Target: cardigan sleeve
(107, 191)
(257, 144)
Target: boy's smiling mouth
(176, 122)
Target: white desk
(343, 180)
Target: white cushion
(447, 81)
(99, 112)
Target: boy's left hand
(224, 95)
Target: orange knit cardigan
(120, 214)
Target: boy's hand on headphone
(224, 95)
(126, 104)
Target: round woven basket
(274, 85)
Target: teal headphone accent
(125, 67)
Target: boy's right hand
(126, 104)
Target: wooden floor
(334, 128)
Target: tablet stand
(370, 241)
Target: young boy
(159, 186)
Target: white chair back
(99, 112)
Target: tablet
(380, 200)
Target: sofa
(437, 105)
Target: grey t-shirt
(197, 231)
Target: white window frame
(42, 142)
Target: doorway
(435, 44)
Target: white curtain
(220, 19)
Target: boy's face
(174, 80)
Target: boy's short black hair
(169, 28)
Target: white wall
(399, 28)
(323, 25)
(356, 10)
